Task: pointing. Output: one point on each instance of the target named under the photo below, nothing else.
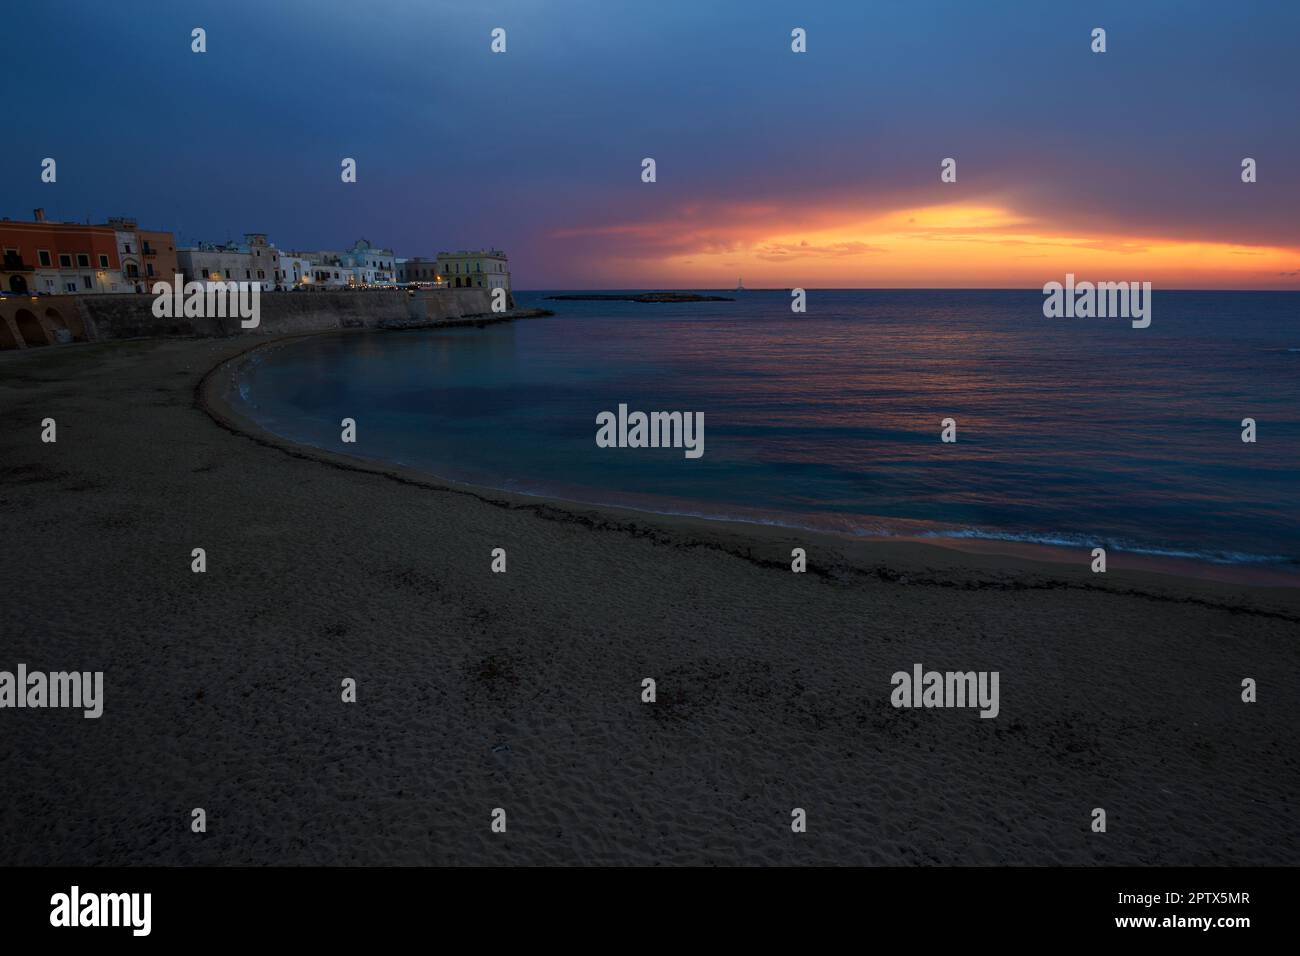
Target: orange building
(58, 257)
(147, 255)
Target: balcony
(16, 264)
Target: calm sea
(1078, 432)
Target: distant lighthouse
(740, 286)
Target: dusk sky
(813, 170)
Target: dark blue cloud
(458, 147)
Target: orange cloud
(987, 245)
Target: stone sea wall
(27, 322)
(287, 312)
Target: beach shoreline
(522, 690)
(212, 394)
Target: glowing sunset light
(951, 245)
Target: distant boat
(740, 286)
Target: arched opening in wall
(29, 327)
(75, 332)
(17, 283)
(7, 338)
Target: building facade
(326, 271)
(59, 258)
(296, 270)
(253, 260)
(485, 269)
(370, 265)
(419, 271)
(146, 255)
(118, 256)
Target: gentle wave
(1071, 435)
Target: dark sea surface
(1076, 432)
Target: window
(65, 262)
(71, 286)
(83, 261)
(49, 283)
(148, 266)
(261, 273)
(126, 247)
(44, 256)
(85, 280)
(103, 261)
(248, 273)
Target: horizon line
(837, 288)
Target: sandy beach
(522, 690)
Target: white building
(68, 273)
(296, 270)
(253, 260)
(130, 256)
(325, 271)
(369, 264)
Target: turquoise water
(1070, 431)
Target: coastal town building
(325, 270)
(485, 269)
(361, 266)
(59, 257)
(296, 268)
(421, 272)
(370, 265)
(56, 258)
(253, 260)
(146, 255)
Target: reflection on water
(1073, 431)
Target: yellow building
(485, 269)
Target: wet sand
(523, 690)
